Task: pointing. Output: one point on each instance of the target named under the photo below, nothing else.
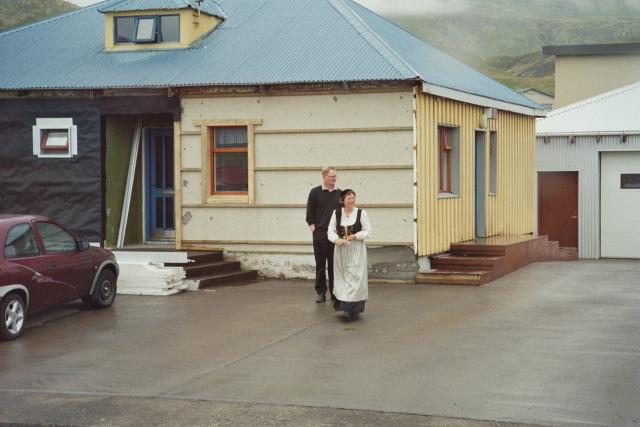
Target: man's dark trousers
(323, 252)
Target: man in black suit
(322, 201)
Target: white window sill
(448, 196)
(492, 194)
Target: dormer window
(147, 29)
(131, 25)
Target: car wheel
(13, 317)
(104, 292)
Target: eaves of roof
(592, 49)
(613, 112)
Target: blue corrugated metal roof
(260, 42)
(208, 6)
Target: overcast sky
(383, 6)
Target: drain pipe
(415, 173)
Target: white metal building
(596, 140)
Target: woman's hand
(351, 237)
(341, 242)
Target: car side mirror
(83, 245)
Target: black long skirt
(349, 307)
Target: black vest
(351, 229)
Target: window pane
(54, 139)
(55, 238)
(158, 151)
(231, 137)
(146, 29)
(169, 28)
(493, 156)
(20, 242)
(168, 161)
(231, 172)
(630, 180)
(169, 212)
(125, 29)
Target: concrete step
(227, 279)
(209, 268)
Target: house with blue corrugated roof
(205, 123)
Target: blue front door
(160, 197)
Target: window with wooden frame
(55, 138)
(493, 162)
(228, 161)
(448, 159)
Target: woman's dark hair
(344, 194)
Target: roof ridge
(594, 99)
(52, 18)
(377, 42)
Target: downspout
(415, 172)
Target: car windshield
(55, 238)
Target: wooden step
(445, 277)
(199, 257)
(205, 256)
(460, 249)
(227, 279)
(463, 263)
(205, 269)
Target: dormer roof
(209, 7)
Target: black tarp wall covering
(66, 189)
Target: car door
(67, 264)
(21, 250)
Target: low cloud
(409, 7)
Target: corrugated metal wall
(442, 221)
(558, 155)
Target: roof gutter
(590, 133)
(482, 101)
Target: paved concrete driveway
(553, 344)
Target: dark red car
(43, 264)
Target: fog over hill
(504, 38)
(14, 13)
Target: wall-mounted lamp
(623, 138)
(598, 138)
(546, 139)
(572, 140)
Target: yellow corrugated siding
(445, 221)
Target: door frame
(146, 169)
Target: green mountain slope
(504, 38)
(14, 13)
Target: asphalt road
(551, 344)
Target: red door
(558, 207)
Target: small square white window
(55, 138)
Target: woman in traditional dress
(348, 228)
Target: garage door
(620, 204)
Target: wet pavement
(551, 344)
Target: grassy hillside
(504, 38)
(14, 13)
